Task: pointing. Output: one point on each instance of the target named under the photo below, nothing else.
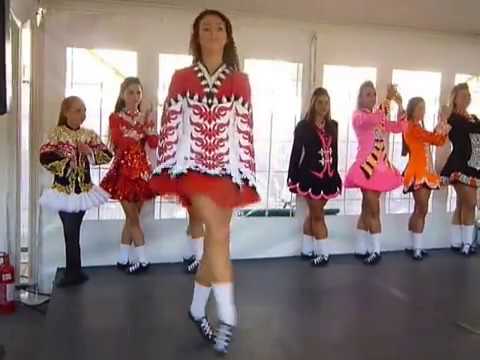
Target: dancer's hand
(391, 91)
(84, 149)
(146, 108)
(445, 113)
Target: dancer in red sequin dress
(206, 158)
(127, 180)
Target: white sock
(410, 240)
(132, 255)
(140, 250)
(307, 244)
(455, 235)
(361, 244)
(376, 242)
(321, 247)
(227, 312)
(199, 301)
(467, 234)
(123, 255)
(417, 241)
(197, 247)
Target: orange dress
(419, 170)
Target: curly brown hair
(230, 55)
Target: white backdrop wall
(150, 31)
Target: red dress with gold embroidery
(130, 172)
(206, 140)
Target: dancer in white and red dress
(206, 159)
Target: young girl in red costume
(206, 158)
(127, 180)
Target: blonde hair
(366, 85)
(454, 93)
(65, 106)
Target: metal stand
(33, 298)
(30, 295)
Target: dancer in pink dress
(372, 172)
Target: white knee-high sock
(140, 250)
(224, 298)
(123, 254)
(307, 244)
(455, 235)
(361, 246)
(132, 254)
(410, 240)
(467, 234)
(321, 247)
(417, 241)
(376, 247)
(199, 301)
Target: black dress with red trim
(463, 164)
(206, 139)
(128, 177)
(72, 189)
(313, 172)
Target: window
(474, 85)
(342, 83)
(410, 84)
(276, 100)
(95, 75)
(168, 63)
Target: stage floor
(398, 310)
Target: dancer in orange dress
(419, 176)
(127, 180)
(206, 158)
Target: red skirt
(124, 188)
(221, 189)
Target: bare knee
(318, 217)
(374, 211)
(421, 210)
(133, 221)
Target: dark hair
(411, 106)
(120, 104)
(230, 56)
(365, 85)
(456, 89)
(65, 106)
(310, 115)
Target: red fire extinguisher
(7, 285)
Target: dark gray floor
(20, 333)
(398, 310)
